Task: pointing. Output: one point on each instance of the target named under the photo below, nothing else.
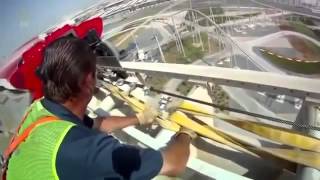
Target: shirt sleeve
(88, 154)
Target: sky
(21, 20)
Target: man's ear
(89, 82)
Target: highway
(252, 167)
(250, 33)
(171, 86)
(242, 97)
(297, 10)
(258, 64)
(252, 101)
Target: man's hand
(187, 131)
(176, 154)
(148, 115)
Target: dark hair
(66, 62)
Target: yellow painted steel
(278, 134)
(178, 119)
(138, 106)
(307, 158)
(183, 120)
(282, 135)
(283, 157)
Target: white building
(310, 3)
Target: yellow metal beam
(274, 133)
(180, 118)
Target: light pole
(178, 36)
(192, 20)
(161, 53)
(209, 43)
(199, 35)
(135, 42)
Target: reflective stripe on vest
(35, 158)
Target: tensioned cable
(229, 108)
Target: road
(248, 47)
(277, 35)
(252, 101)
(246, 101)
(223, 3)
(296, 10)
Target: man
(69, 148)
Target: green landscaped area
(193, 52)
(185, 87)
(250, 15)
(299, 27)
(223, 19)
(305, 20)
(309, 50)
(117, 38)
(293, 66)
(215, 10)
(217, 20)
(219, 96)
(157, 82)
(172, 55)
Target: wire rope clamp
(146, 91)
(163, 102)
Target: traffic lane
(210, 3)
(258, 30)
(138, 14)
(290, 8)
(147, 38)
(149, 11)
(269, 100)
(243, 62)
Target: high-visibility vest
(32, 152)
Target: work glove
(148, 115)
(187, 131)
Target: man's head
(68, 70)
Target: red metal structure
(22, 66)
